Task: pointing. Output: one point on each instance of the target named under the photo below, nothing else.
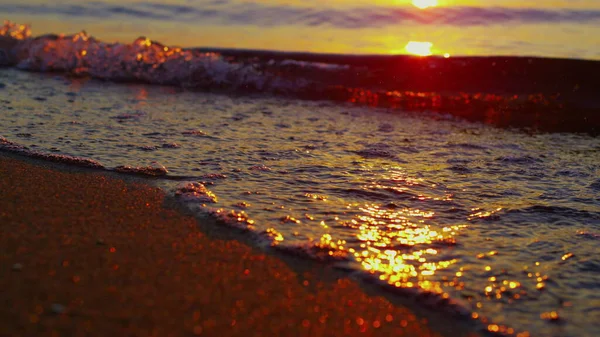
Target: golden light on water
(419, 48)
(422, 4)
(400, 250)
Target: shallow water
(503, 224)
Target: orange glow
(493, 328)
(19, 32)
(422, 4)
(419, 48)
(381, 229)
(567, 256)
(552, 316)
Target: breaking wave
(504, 91)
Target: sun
(422, 4)
(419, 48)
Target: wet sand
(85, 253)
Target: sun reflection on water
(393, 225)
(403, 252)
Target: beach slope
(88, 254)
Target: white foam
(195, 192)
(154, 169)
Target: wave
(553, 214)
(154, 169)
(8, 146)
(269, 15)
(538, 93)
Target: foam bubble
(262, 168)
(154, 169)
(197, 192)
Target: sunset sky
(572, 4)
(587, 4)
(555, 28)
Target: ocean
(445, 151)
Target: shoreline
(96, 253)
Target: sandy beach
(89, 254)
